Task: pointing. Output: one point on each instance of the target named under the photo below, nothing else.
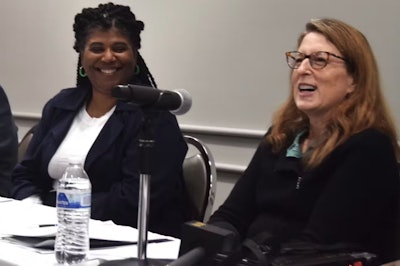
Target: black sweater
(350, 197)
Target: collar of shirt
(294, 150)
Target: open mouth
(107, 71)
(307, 88)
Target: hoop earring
(137, 70)
(82, 72)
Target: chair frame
(24, 142)
(211, 171)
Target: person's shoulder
(67, 97)
(263, 140)
(369, 139)
(167, 119)
(66, 92)
(370, 134)
(264, 146)
(3, 95)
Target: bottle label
(73, 200)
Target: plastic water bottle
(73, 212)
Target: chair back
(24, 143)
(200, 176)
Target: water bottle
(73, 213)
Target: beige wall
(229, 54)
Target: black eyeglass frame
(313, 61)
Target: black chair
(24, 143)
(200, 177)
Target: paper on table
(110, 231)
(97, 230)
(24, 219)
(32, 231)
(17, 215)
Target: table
(23, 218)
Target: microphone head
(186, 102)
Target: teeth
(108, 71)
(306, 88)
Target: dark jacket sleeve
(8, 144)
(240, 208)
(30, 176)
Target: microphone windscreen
(186, 102)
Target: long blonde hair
(362, 109)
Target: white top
(78, 141)
(76, 145)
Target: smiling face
(108, 59)
(317, 92)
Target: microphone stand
(146, 148)
(146, 152)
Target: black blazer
(8, 144)
(112, 163)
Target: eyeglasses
(318, 60)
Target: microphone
(177, 102)
(204, 245)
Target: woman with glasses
(326, 171)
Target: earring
(82, 72)
(137, 70)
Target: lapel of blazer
(65, 105)
(106, 138)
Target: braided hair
(106, 16)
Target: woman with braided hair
(86, 122)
